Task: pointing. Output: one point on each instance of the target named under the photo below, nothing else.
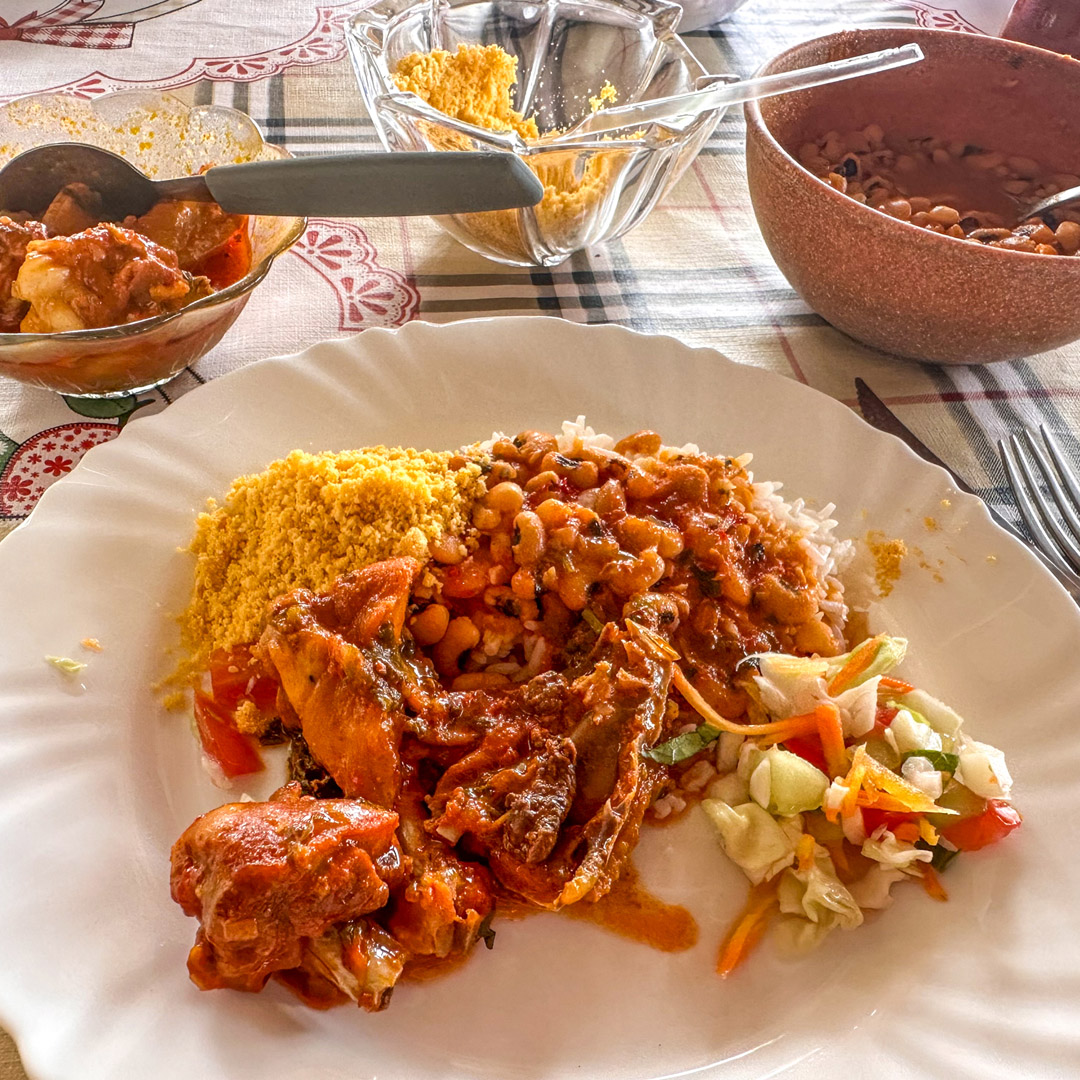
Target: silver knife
(879, 415)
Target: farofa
(309, 518)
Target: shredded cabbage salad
(846, 781)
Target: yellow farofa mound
(474, 85)
(309, 518)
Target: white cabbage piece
(790, 685)
(883, 847)
(858, 708)
(871, 891)
(918, 772)
(982, 769)
(930, 711)
(890, 652)
(817, 894)
(759, 844)
(908, 733)
(731, 788)
(786, 784)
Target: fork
(1050, 514)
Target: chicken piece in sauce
(14, 237)
(337, 657)
(196, 231)
(265, 878)
(74, 209)
(105, 276)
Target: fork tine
(1063, 466)
(1027, 509)
(1059, 501)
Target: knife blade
(879, 415)
(377, 184)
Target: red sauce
(229, 264)
(632, 912)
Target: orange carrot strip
(857, 663)
(747, 931)
(927, 832)
(791, 728)
(832, 739)
(932, 884)
(697, 702)
(804, 852)
(898, 685)
(907, 831)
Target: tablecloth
(697, 268)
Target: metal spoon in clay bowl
(342, 185)
(1051, 203)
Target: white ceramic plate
(96, 780)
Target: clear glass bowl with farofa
(515, 76)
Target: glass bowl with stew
(551, 65)
(220, 258)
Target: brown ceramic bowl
(891, 284)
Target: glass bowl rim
(663, 15)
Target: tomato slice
(809, 750)
(873, 819)
(234, 675)
(993, 824)
(233, 752)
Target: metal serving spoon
(342, 185)
(1051, 202)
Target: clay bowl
(886, 282)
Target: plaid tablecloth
(696, 268)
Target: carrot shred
(792, 725)
(907, 831)
(747, 931)
(804, 852)
(932, 884)
(832, 739)
(898, 685)
(857, 663)
(927, 832)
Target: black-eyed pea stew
(949, 187)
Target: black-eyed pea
(485, 518)
(447, 549)
(955, 230)
(529, 539)
(944, 215)
(898, 208)
(523, 584)
(1068, 237)
(642, 443)
(461, 636)
(505, 497)
(542, 480)
(429, 625)
(1025, 167)
(919, 205)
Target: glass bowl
(597, 186)
(164, 137)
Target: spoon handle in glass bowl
(680, 107)
(376, 184)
